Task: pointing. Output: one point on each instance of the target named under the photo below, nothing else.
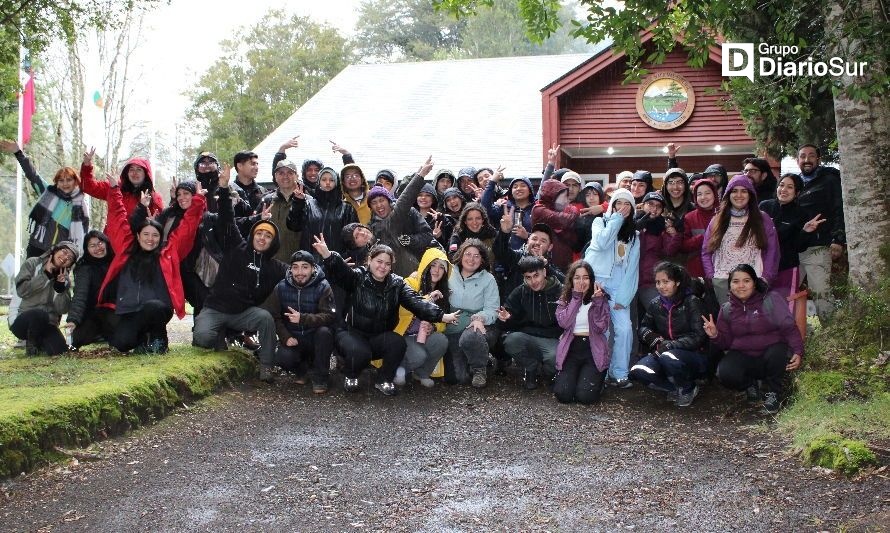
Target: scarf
(58, 217)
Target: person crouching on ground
(375, 294)
(582, 355)
(303, 306)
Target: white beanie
(620, 194)
(572, 175)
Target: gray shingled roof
(477, 112)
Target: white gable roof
(476, 112)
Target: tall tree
(265, 73)
(855, 30)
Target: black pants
(194, 290)
(738, 371)
(101, 322)
(315, 348)
(359, 349)
(579, 380)
(143, 326)
(33, 326)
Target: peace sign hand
(88, 156)
(299, 191)
(498, 174)
(597, 290)
(225, 176)
(813, 224)
(266, 212)
(552, 153)
(145, 199)
(437, 228)
(320, 246)
(710, 326)
(503, 314)
(292, 315)
(507, 219)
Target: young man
(386, 178)
(276, 205)
(311, 167)
(520, 196)
(247, 275)
(530, 315)
(759, 171)
(540, 244)
(247, 166)
(355, 191)
(303, 306)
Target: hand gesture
(88, 156)
(552, 154)
(498, 174)
(426, 167)
(437, 228)
(626, 210)
(813, 224)
(225, 176)
(503, 314)
(451, 318)
(290, 143)
(199, 189)
(710, 326)
(794, 363)
(477, 325)
(507, 219)
(62, 276)
(320, 246)
(337, 148)
(292, 315)
(112, 179)
(173, 184)
(477, 191)
(291, 342)
(597, 290)
(145, 198)
(435, 295)
(299, 191)
(9, 146)
(520, 232)
(266, 211)
(672, 150)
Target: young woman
(595, 205)
(143, 284)
(761, 340)
(472, 224)
(672, 331)
(658, 240)
(696, 222)
(474, 294)
(794, 228)
(375, 295)
(324, 212)
(426, 341)
(453, 202)
(614, 254)
(582, 355)
(739, 234)
(44, 286)
(59, 214)
(135, 181)
(86, 322)
(443, 225)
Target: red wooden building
(604, 126)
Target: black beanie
(302, 256)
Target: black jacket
(405, 220)
(507, 259)
(823, 195)
(88, 275)
(373, 306)
(326, 213)
(679, 327)
(534, 312)
(789, 220)
(246, 277)
(314, 301)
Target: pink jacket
(597, 318)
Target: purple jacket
(769, 255)
(754, 325)
(597, 317)
(653, 250)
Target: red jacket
(562, 223)
(100, 189)
(179, 244)
(694, 225)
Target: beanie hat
(287, 163)
(674, 171)
(654, 195)
(67, 245)
(188, 186)
(386, 174)
(379, 190)
(572, 175)
(206, 155)
(268, 226)
(302, 256)
(643, 175)
(470, 172)
(620, 194)
(624, 175)
(558, 174)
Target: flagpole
(17, 254)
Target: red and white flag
(28, 105)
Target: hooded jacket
(694, 225)
(404, 220)
(461, 232)
(598, 319)
(455, 192)
(129, 195)
(534, 312)
(314, 301)
(447, 221)
(89, 272)
(506, 256)
(373, 306)
(308, 186)
(172, 252)
(752, 326)
(246, 277)
(362, 209)
(602, 253)
(561, 222)
(208, 180)
(495, 212)
(789, 220)
(39, 291)
(678, 324)
(413, 281)
(325, 213)
(822, 194)
(655, 247)
(439, 176)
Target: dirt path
(276, 458)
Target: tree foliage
(265, 73)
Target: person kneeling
(672, 328)
(303, 306)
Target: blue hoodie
(495, 212)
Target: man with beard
(540, 244)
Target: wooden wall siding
(601, 112)
(613, 165)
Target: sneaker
(387, 388)
(752, 394)
(251, 342)
(673, 395)
(426, 382)
(621, 383)
(684, 399)
(266, 374)
(400, 377)
(770, 403)
(301, 379)
(530, 380)
(480, 379)
(350, 384)
(319, 388)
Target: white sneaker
(400, 377)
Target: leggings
(101, 322)
(34, 327)
(360, 348)
(579, 380)
(738, 371)
(143, 326)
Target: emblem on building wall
(665, 100)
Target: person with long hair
(426, 341)
(582, 355)
(472, 224)
(372, 313)
(695, 223)
(143, 283)
(672, 331)
(86, 322)
(740, 233)
(474, 294)
(135, 181)
(59, 214)
(614, 254)
(761, 340)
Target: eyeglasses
(750, 170)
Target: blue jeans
(670, 370)
(622, 341)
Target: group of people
(578, 285)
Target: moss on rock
(843, 455)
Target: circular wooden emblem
(665, 100)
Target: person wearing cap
(311, 167)
(717, 173)
(247, 167)
(276, 206)
(529, 317)
(43, 284)
(135, 179)
(552, 208)
(398, 225)
(207, 174)
(623, 179)
(248, 273)
(303, 306)
(575, 183)
(658, 240)
(640, 186)
(143, 284)
(614, 254)
(520, 197)
(539, 244)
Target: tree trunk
(863, 135)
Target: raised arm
(406, 200)
(88, 183)
(12, 147)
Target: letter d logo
(737, 59)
